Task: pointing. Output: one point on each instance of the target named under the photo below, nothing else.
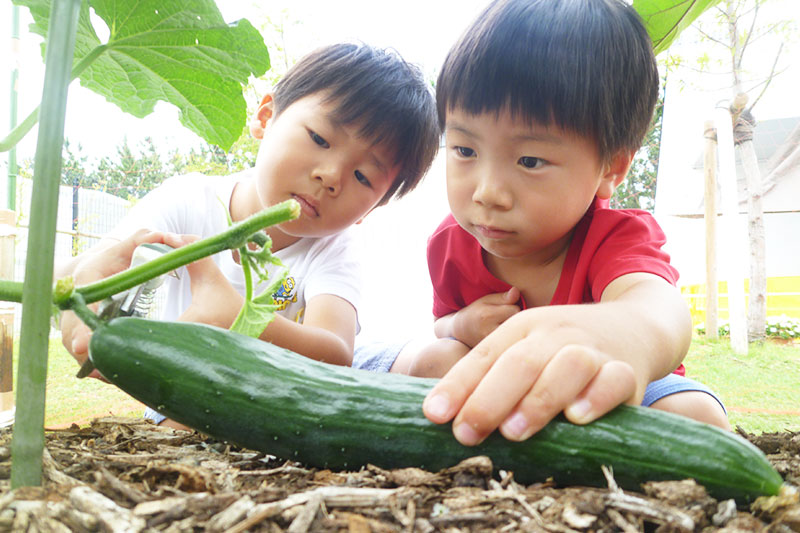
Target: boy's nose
(330, 179)
(491, 193)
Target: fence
(84, 216)
(783, 298)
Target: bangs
(551, 62)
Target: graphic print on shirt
(286, 294)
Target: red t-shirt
(607, 243)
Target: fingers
(518, 389)
(74, 336)
(204, 271)
(614, 384)
(496, 396)
(560, 382)
(509, 297)
(177, 240)
(448, 396)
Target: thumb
(202, 271)
(512, 295)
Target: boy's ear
(613, 174)
(259, 120)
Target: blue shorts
(380, 356)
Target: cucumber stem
(87, 316)
(236, 236)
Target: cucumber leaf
(182, 53)
(666, 19)
(258, 311)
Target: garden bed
(124, 474)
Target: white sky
(421, 30)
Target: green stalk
(235, 236)
(27, 444)
(85, 314)
(11, 291)
(17, 134)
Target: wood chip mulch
(127, 475)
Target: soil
(127, 475)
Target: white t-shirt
(197, 204)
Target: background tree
(736, 28)
(638, 190)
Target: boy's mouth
(308, 205)
(491, 232)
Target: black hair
(586, 66)
(377, 90)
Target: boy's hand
(214, 300)
(473, 323)
(104, 260)
(583, 360)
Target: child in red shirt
(546, 300)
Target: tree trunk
(743, 132)
(757, 306)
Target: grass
(70, 399)
(761, 390)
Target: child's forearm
(310, 341)
(650, 322)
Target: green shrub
(777, 327)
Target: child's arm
(474, 322)
(581, 359)
(326, 334)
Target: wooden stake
(710, 173)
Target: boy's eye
(318, 140)
(362, 179)
(531, 162)
(463, 151)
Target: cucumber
(269, 399)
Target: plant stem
(28, 440)
(16, 135)
(86, 315)
(11, 291)
(234, 237)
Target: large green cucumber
(267, 398)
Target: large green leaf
(180, 51)
(666, 19)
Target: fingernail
(466, 435)
(579, 410)
(516, 426)
(437, 405)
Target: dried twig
(654, 511)
(111, 516)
